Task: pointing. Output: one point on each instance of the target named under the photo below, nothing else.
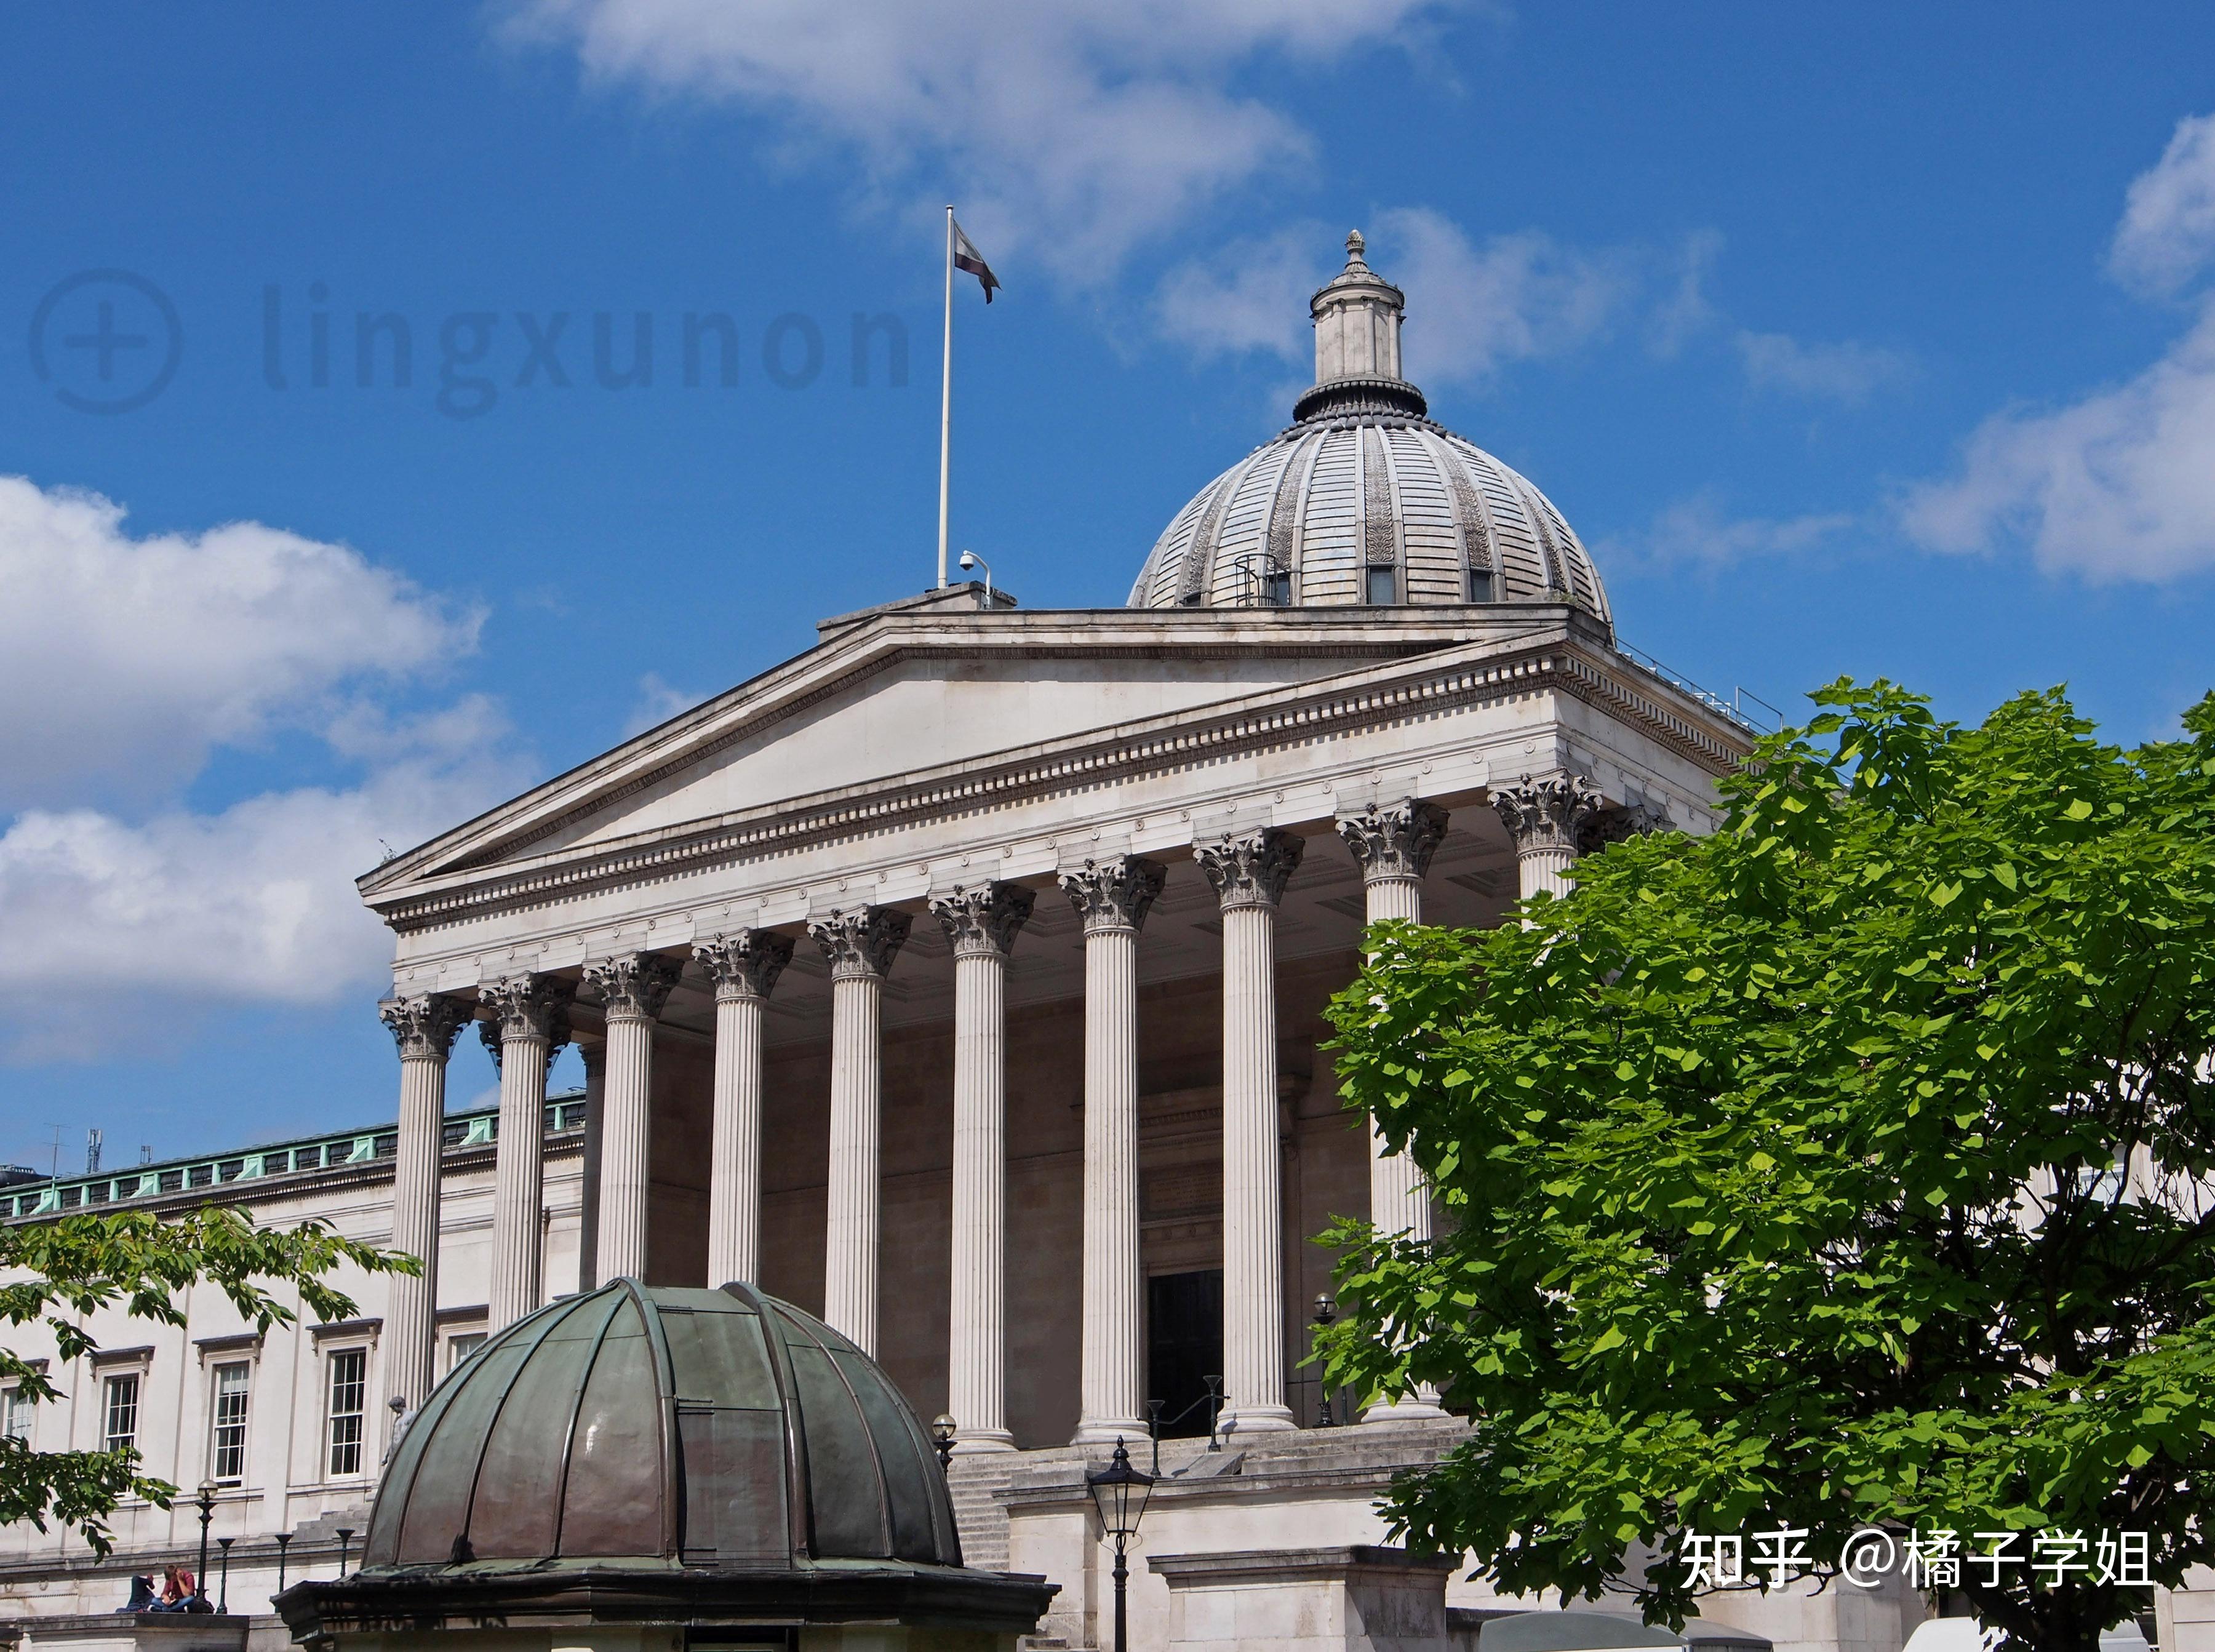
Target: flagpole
(946, 400)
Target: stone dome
(692, 1430)
(1364, 499)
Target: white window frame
(462, 1344)
(136, 1376)
(329, 1444)
(18, 1413)
(217, 1425)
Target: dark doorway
(1184, 1347)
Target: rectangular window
(1483, 586)
(227, 1432)
(461, 1345)
(122, 1411)
(349, 1404)
(17, 1420)
(1381, 592)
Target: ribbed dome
(1364, 499)
(722, 1430)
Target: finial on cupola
(1355, 244)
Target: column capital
(423, 1024)
(1394, 840)
(1114, 894)
(1549, 815)
(526, 1006)
(633, 986)
(983, 921)
(1251, 868)
(744, 963)
(859, 943)
(1612, 825)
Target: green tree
(57, 1272)
(1847, 1167)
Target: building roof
(1363, 499)
(664, 1427)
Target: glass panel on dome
(613, 1502)
(907, 1494)
(519, 1487)
(1483, 586)
(843, 1490)
(1379, 591)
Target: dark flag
(966, 257)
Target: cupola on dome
(1364, 499)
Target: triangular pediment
(908, 693)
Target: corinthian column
(595, 1057)
(1394, 845)
(1112, 897)
(633, 988)
(1249, 870)
(980, 924)
(744, 966)
(531, 1021)
(423, 1027)
(1547, 819)
(860, 946)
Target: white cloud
(1477, 308)
(1472, 308)
(1848, 372)
(658, 700)
(1249, 295)
(184, 912)
(1686, 311)
(1072, 133)
(2118, 485)
(126, 660)
(2168, 233)
(1697, 531)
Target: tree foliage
(1848, 1166)
(57, 1273)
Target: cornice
(1378, 697)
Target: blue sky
(1877, 342)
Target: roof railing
(62, 1196)
(1734, 709)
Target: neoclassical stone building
(962, 980)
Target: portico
(961, 978)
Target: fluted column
(595, 1057)
(529, 1021)
(633, 988)
(744, 966)
(859, 945)
(1546, 819)
(1111, 898)
(1249, 870)
(423, 1027)
(1393, 844)
(981, 924)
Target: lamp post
(346, 1540)
(206, 1503)
(222, 1600)
(1119, 1491)
(283, 1543)
(942, 1428)
(1326, 1314)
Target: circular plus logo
(108, 341)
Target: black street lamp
(1121, 1491)
(283, 1543)
(206, 1502)
(942, 1428)
(223, 1602)
(346, 1540)
(1326, 1314)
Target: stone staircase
(978, 1515)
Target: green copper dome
(690, 1429)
